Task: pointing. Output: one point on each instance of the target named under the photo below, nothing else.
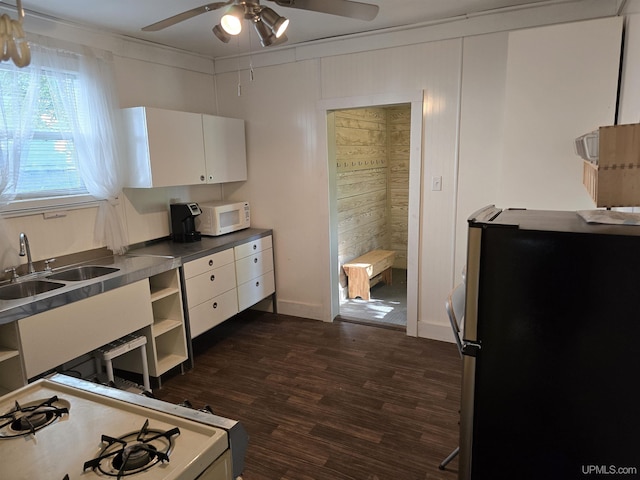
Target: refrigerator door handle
(470, 349)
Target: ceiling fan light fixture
(264, 33)
(231, 21)
(219, 32)
(274, 21)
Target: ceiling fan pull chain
(238, 67)
(250, 58)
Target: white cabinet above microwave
(171, 148)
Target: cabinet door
(176, 150)
(255, 265)
(56, 336)
(209, 314)
(253, 291)
(165, 148)
(204, 264)
(225, 149)
(250, 248)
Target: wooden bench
(367, 270)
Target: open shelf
(160, 327)
(162, 293)
(168, 361)
(11, 370)
(166, 336)
(6, 354)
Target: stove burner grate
(134, 452)
(31, 417)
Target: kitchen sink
(15, 291)
(84, 272)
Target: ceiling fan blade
(167, 22)
(342, 8)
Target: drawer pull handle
(215, 304)
(210, 263)
(255, 246)
(213, 277)
(257, 284)
(255, 260)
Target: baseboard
(433, 331)
(304, 310)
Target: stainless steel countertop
(132, 269)
(137, 264)
(206, 246)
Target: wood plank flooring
(328, 401)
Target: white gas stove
(65, 428)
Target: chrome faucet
(26, 250)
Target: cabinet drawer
(250, 248)
(253, 291)
(213, 312)
(254, 266)
(201, 265)
(210, 284)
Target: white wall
(561, 82)
(287, 178)
(629, 110)
(481, 127)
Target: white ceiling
(127, 17)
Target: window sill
(45, 206)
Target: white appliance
(588, 145)
(66, 428)
(218, 218)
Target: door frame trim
(415, 98)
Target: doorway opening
(370, 148)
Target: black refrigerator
(551, 376)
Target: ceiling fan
(268, 24)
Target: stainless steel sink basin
(15, 291)
(84, 272)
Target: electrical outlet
(436, 184)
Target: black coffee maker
(183, 226)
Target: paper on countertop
(609, 217)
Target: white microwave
(218, 218)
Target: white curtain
(98, 138)
(15, 130)
(96, 127)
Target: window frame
(46, 203)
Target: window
(49, 164)
(38, 105)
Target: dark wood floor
(328, 401)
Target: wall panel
(361, 146)
(399, 129)
(553, 95)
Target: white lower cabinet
(220, 285)
(56, 336)
(254, 271)
(211, 291)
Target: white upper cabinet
(170, 148)
(224, 149)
